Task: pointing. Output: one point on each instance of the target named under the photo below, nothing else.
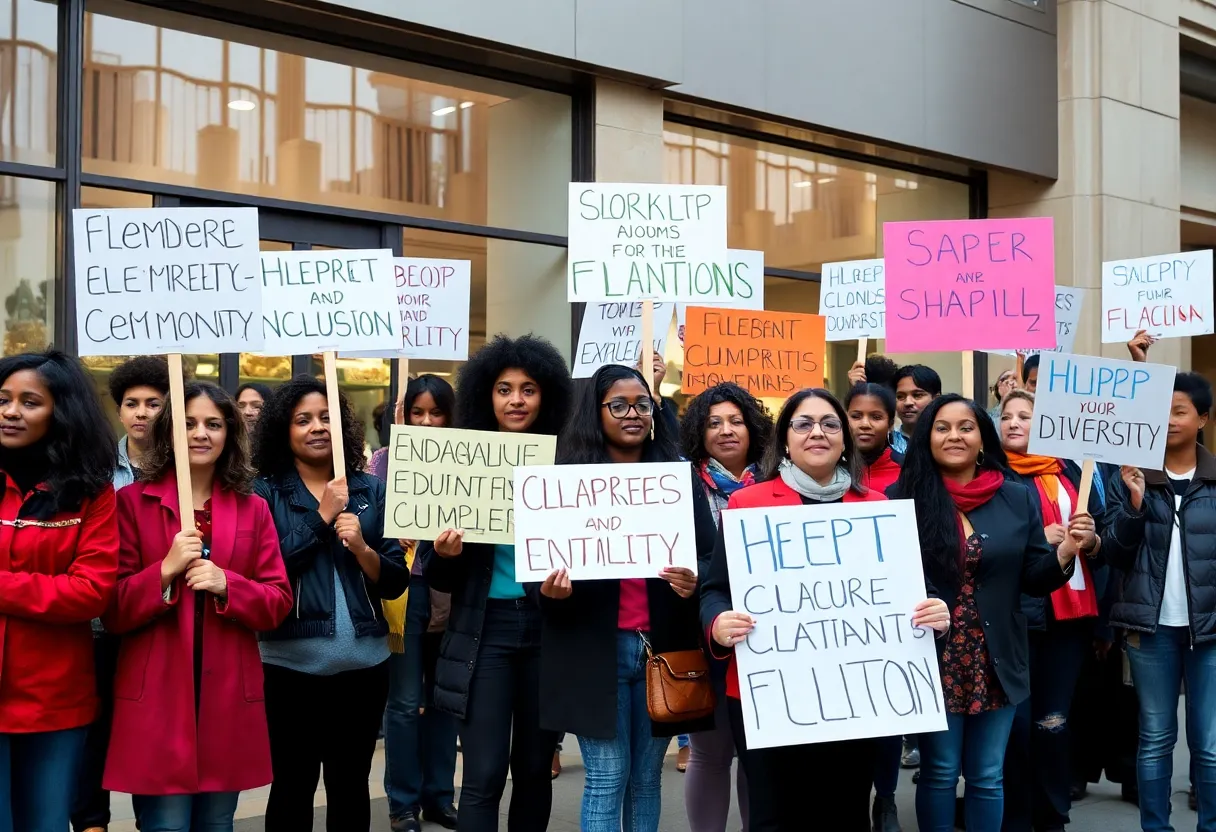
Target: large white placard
(165, 280)
(612, 334)
(1068, 319)
(323, 300)
(1169, 296)
(1112, 411)
(651, 242)
(834, 655)
(852, 297)
(603, 521)
(433, 305)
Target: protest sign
(768, 353)
(742, 262)
(651, 242)
(442, 479)
(833, 655)
(326, 300)
(960, 285)
(1169, 296)
(1068, 319)
(612, 334)
(852, 299)
(626, 520)
(167, 280)
(433, 305)
(1103, 409)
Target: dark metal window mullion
(68, 150)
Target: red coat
(54, 579)
(763, 495)
(155, 747)
(882, 474)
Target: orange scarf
(1045, 467)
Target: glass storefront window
(182, 100)
(27, 263)
(29, 36)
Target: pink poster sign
(959, 285)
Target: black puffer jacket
(1138, 544)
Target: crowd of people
(276, 636)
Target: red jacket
(155, 745)
(762, 495)
(54, 579)
(882, 474)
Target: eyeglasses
(619, 408)
(830, 426)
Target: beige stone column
(1117, 194)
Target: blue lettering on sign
(1096, 382)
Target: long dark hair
(756, 419)
(581, 442)
(920, 479)
(536, 357)
(272, 454)
(441, 392)
(81, 449)
(777, 452)
(878, 391)
(233, 469)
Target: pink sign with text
(959, 285)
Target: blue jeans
(208, 812)
(682, 741)
(38, 779)
(419, 748)
(1160, 662)
(624, 774)
(974, 746)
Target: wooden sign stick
(1017, 382)
(863, 345)
(403, 381)
(1087, 481)
(181, 444)
(335, 413)
(968, 374)
(648, 353)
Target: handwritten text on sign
(834, 655)
(1068, 319)
(970, 285)
(433, 305)
(315, 301)
(603, 521)
(1170, 296)
(457, 479)
(612, 334)
(162, 280)
(852, 299)
(768, 353)
(1113, 411)
(658, 242)
(741, 262)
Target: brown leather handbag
(677, 685)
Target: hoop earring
(979, 460)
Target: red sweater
(882, 474)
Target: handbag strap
(646, 645)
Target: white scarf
(805, 484)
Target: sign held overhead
(1168, 296)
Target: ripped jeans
(1038, 768)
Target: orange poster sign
(771, 354)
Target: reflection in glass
(29, 34)
(27, 263)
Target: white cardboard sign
(834, 655)
(651, 242)
(627, 520)
(852, 297)
(1169, 296)
(743, 262)
(1068, 318)
(612, 334)
(1113, 411)
(329, 300)
(433, 305)
(166, 280)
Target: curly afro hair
(536, 357)
(141, 371)
(756, 418)
(272, 454)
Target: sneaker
(405, 823)
(885, 816)
(910, 758)
(682, 758)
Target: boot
(885, 816)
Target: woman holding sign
(488, 673)
(982, 543)
(208, 588)
(1037, 767)
(58, 557)
(326, 666)
(811, 460)
(594, 641)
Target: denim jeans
(209, 812)
(419, 748)
(971, 745)
(1160, 661)
(38, 778)
(624, 774)
(91, 806)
